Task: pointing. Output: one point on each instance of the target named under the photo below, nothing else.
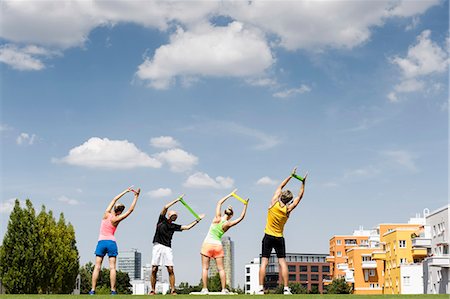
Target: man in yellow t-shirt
(277, 215)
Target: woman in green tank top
(212, 245)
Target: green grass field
(234, 296)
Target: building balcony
(342, 266)
(421, 242)
(419, 252)
(439, 261)
(379, 255)
(330, 259)
(369, 264)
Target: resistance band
(239, 198)
(189, 208)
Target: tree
(86, 278)
(338, 286)
(38, 255)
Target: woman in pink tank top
(106, 240)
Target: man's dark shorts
(270, 242)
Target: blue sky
(205, 97)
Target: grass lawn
(234, 296)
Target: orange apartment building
(339, 244)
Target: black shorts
(269, 242)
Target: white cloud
(19, 59)
(231, 51)
(164, 142)
(315, 25)
(7, 206)
(4, 127)
(109, 154)
(160, 192)
(26, 139)
(293, 91)
(71, 202)
(403, 158)
(360, 173)
(265, 141)
(409, 85)
(262, 82)
(203, 180)
(414, 23)
(424, 58)
(266, 181)
(178, 159)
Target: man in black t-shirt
(162, 242)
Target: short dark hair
(229, 211)
(286, 196)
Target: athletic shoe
(91, 292)
(225, 291)
(173, 293)
(113, 292)
(260, 292)
(152, 292)
(204, 291)
(287, 291)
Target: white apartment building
(130, 262)
(436, 267)
(251, 285)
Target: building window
(325, 277)
(371, 272)
(248, 287)
(403, 261)
(305, 285)
(303, 277)
(292, 277)
(247, 279)
(314, 277)
(326, 269)
(314, 268)
(292, 268)
(402, 243)
(338, 242)
(303, 268)
(248, 270)
(339, 253)
(366, 258)
(407, 280)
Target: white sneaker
(260, 292)
(287, 291)
(225, 291)
(204, 291)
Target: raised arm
(297, 200)
(130, 210)
(193, 223)
(229, 224)
(115, 199)
(167, 206)
(220, 203)
(277, 193)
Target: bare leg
(153, 278)
(112, 272)
(262, 270)
(283, 270)
(205, 268)
(96, 272)
(223, 278)
(171, 278)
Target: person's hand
(304, 179)
(137, 192)
(180, 197)
(294, 170)
(232, 192)
(248, 199)
(201, 216)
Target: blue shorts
(106, 247)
